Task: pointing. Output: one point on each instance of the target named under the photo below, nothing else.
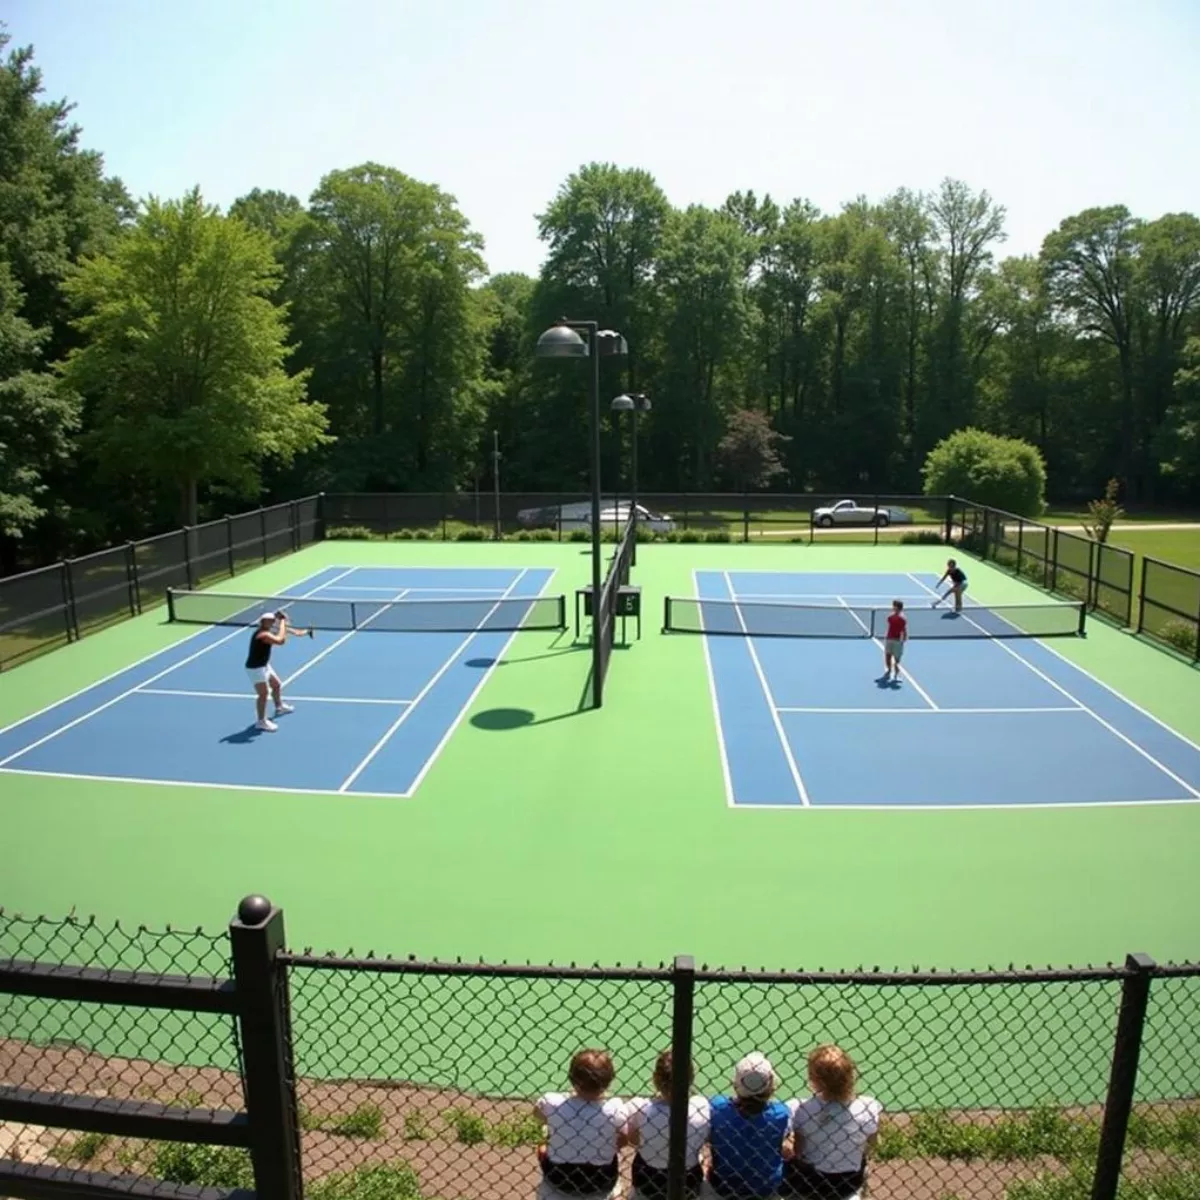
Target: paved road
(867, 531)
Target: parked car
(550, 515)
(614, 516)
(849, 512)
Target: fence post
(745, 517)
(1020, 542)
(683, 984)
(187, 555)
(319, 529)
(1131, 1020)
(229, 546)
(68, 601)
(1052, 558)
(294, 524)
(135, 583)
(256, 936)
(1141, 598)
(1093, 571)
(130, 578)
(1196, 653)
(262, 526)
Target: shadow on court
(502, 720)
(243, 737)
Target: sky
(1051, 106)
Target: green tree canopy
(748, 454)
(184, 354)
(1005, 473)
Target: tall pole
(496, 483)
(633, 481)
(592, 328)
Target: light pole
(563, 341)
(633, 402)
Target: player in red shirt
(893, 645)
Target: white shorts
(262, 674)
(894, 647)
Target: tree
(1178, 442)
(38, 416)
(748, 453)
(1005, 473)
(183, 354)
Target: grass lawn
(1179, 546)
(1077, 515)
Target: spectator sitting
(584, 1131)
(833, 1132)
(647, 1126)
(746, 1134)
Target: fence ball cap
(254, 910)
(754, 1076)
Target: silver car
(849, 512)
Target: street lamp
(635, 402)
(563, 341)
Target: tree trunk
(189, 509)
(377, 387)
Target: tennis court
(987, 713)
(396, 656)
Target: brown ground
(447, 1170)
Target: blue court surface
(979, 720)
(372, 709)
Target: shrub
(352, 533)
(518, 1131)
(364, 1121)
(1178, 633)
(543, 535)
(423, 535)
(206, 1166)
(718, 535)
(391, 1181)
(922, 537)
(416, 1126)
(471, 535)
(579, 535)
(469, 1128)
(83, 1149)
(1004, 473)
(404, 535)
(523, 535)
(1104, 513)
(690, 536)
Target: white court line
(925, 712)
(1021, 806)
(312, 662)
(239, 632)
(771, 705)
(907, 673)
(466, 708)
(450, 659)
(730, 802)
(888, 597)
(191, 783)
(1059, 688)
(242, 696)
(144, 659)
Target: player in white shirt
(584, 1131)
(647, 1126)
(833, 1132)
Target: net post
(683, 988)
(353, 615)
(130, 578)
(1083, 620)
(170, 604)
(1122, 1079)
(135, 583)
(262, 526)
(666, 625)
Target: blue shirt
(747, 1156)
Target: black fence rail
(43, 609)
(189, 1066)
(1169, 606)
(1098, 574)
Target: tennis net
(761, 618)
(397, 616)
(617, 577)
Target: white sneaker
(283, 707)
(266, 726)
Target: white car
(848, 512)
(615, 516)
(549, 516)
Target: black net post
(69, 611)
(1131, 1021)
(135, 583)
(256, 938)
(683, 986)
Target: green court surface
(567, 834)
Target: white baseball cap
(754, 1076)
(267, 616)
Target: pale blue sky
(1052, 106)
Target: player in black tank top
(258, 665)
(958, 584)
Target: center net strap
(759, 618)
